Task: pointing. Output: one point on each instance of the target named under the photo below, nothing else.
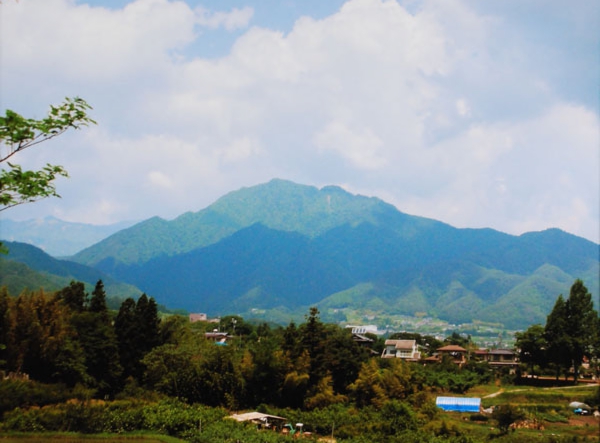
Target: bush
(478, 417)
(22, 393)
(506, 415)
(594, 399)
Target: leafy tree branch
(18, 133)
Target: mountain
(289, 246)
(56, 237)
(279, 205)
(28, 267)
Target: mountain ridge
(56, 237)
(283, 246)
(303, 208)
(56, 273)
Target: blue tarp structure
(459, 404)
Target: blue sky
(475, 113)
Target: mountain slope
(26, 266)
(291, 246)
(17, 277)
(279, 204)
(57, 237)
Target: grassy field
(546, 411)
(547, 408)
(78, 438)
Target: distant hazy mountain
(56, 237)
(28, 267)
(286, 245)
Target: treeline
(71, 338)
(570, 336)
(162, 374)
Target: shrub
(478, 417)
(23, 393)
(506, 415)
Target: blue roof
(460, 404)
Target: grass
(65, 437)
(548, 405)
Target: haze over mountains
(57, 237)
(283, 247)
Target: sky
(475, 113)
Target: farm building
(458, 404)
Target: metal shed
(458, 404)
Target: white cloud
(160, 180)
(241, 149)
(462, 107)
(231, 21)
(360, 148)
(80, 43)
(433, 106)
(531, 175)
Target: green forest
(71, 364)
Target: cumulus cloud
(358, 147)
(432, 105)
(233, 20)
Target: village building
(197, 317)
(407, 350)
(498, 358)
(458, 354)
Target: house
(219, 338)
(457, 353)
(405, 349)
(362, 339)
(358, 335)
(197, 317)
(499, 358)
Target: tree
(582, 325)
(18, 133)
(555, 333)
(173, 369)
(126, 330)
(264, 369)
(343, 358)
(74, 296)
(137, 329)
(572, 329)
(324, 395)
(398, 417)
(5, 325)
(43, 343)
(98, 300)
(312, 338)
(506, 415)
(532, 346)
(146, 315)
(99, 341)
(366, 389)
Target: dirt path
(495, 394)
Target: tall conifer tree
(582, 324)
(572, 329)
(99, 342)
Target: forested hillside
(283, 247)
(24, 266)
(71, 364)
(57, 237)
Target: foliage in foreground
(414, 420)
(18, 133)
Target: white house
(404, 349)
